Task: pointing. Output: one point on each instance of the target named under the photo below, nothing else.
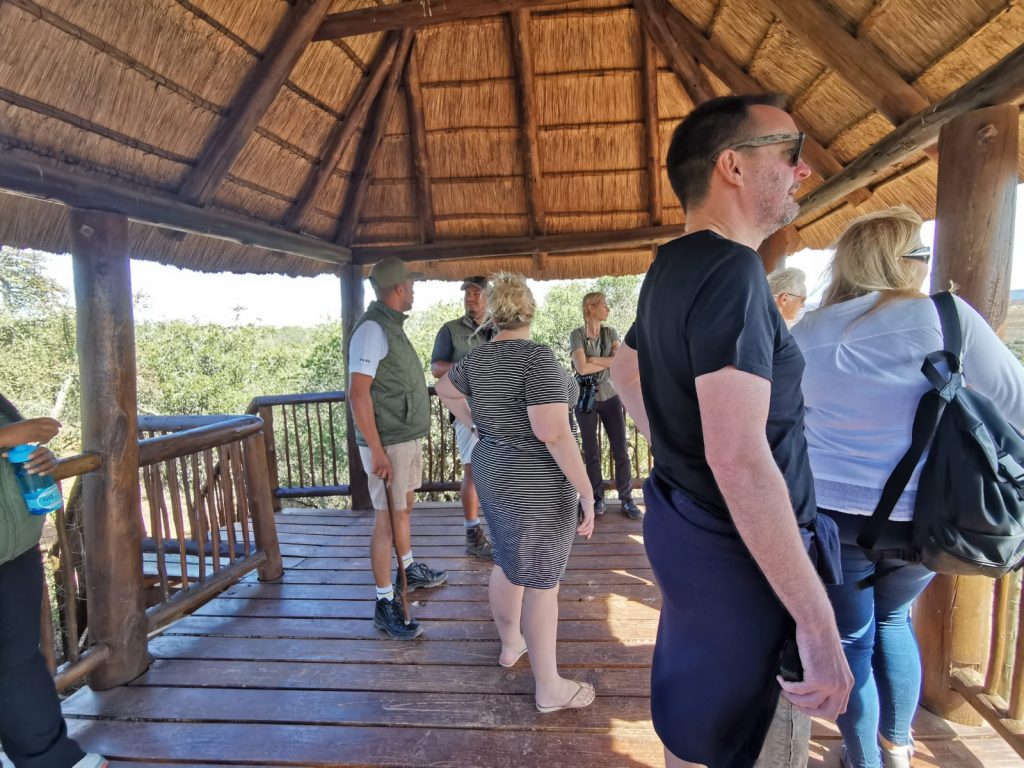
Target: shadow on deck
(294, 673)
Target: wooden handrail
(71, 673)
(181, 423)
(156, 449)
(299, 398)
(79, 464)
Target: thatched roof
(542, 121)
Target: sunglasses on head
(771, 138)
(921, 253)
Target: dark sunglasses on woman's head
(771, 138)
(921, 253)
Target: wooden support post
(261, 506)
(419, 151)
(351, 309)
(266, 413)
(110, 496)
(973, 237)
(652, 135)
(522, 58)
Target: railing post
(351, 309)
(110, 496)
(973, 234)
(261, 506)
(266, 413)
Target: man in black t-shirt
(711, 376)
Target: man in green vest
(391, 411)
(454, 341)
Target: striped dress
(529, 504)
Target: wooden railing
(307, 455)
(998, 694)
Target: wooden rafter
(414, 14)
(680, 60)
(253, 100)
(652, 135)
(40, 181)
(418, 150)
(1002, 83)
(342, 133)
(718, 61)
(522, 56)
(563, 242)
(859, 63)
(372, 136)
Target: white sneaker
(92, 760)
(5, 761)
(894, 756)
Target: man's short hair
(702, 135)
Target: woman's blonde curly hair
(510, 302)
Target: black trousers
(611, 415)
(32, 728)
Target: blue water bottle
(41, 492)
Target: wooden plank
(645, 593)
(652, 135)
(605, 630)
(420, 709)
(351, 676)
(431, 552)
(576, 562)
(413, 15)
(1000, 84)
(420, 159)
(680, 60)
(568, 242)
(253, 99)
(858, 62)
(387, 652)
(362, 173)
(47, 183)
(425, 536)
(522, 59)
(311, 745)
(468, 577)
(341, 134)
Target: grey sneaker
(421, 576)
(598, 506)
(631, 510)
(478, 544)
(389, 616)
(92, 760)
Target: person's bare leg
(468, 495)
(540, 626)
(381, 541)
(507, 608)
(671, 761)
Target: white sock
(471, 523)
(386, 593)
(407, 560)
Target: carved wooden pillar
(351, 309)
(973, 241)
(110, 495)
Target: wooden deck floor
(294, 673)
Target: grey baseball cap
(392, 271)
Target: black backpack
(969, 512)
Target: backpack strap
(949, 321)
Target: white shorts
(406, 473)
(467, 441)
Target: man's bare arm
(625, 372)
(734, 412)
(440, 367)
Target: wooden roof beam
(682, 61)
(522, 56)
(372, 136)
(564, 242)
(718, 61)
(1002, 83)
(652, 136)
(47, 183)
(341, 134)
(414, 14)
(418, 150)
(252, 101)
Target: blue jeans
(880, 646)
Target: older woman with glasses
(862, 383)
(789, 287)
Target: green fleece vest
(401, 404)
(464, 336)
(19, 529)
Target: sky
(171, 293)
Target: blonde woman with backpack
(863, 349)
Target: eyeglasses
(794, 296)
(921, 253)
(771, 138)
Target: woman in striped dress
(531, 481)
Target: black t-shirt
(705, 305)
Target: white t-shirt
(862, 385)
(367, 347)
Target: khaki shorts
(787, 744)
(406, 473)
(467, 441)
